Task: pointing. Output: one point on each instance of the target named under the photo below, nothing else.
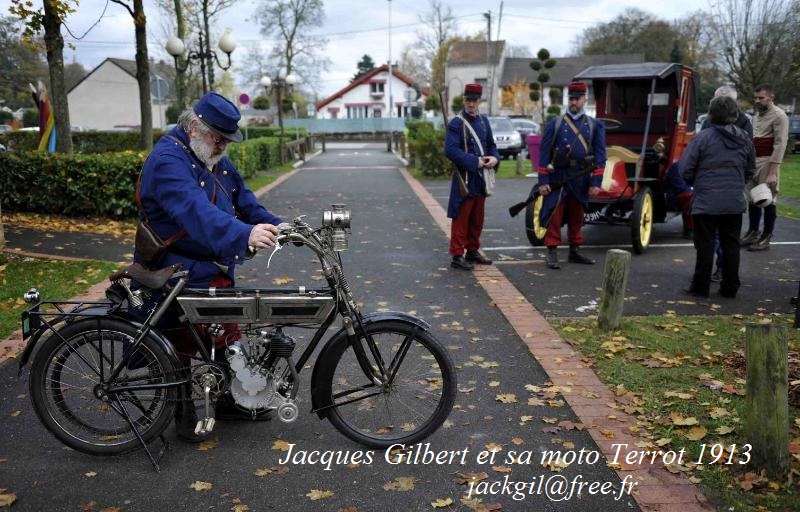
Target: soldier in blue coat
(190, 192)
(472, 149)
(571, 146)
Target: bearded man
(193, 197)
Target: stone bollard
(389, 143)
(615, 281)
(518, 170)
(323, 143)
(767, 402)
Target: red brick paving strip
(11, 346)
(658, 489)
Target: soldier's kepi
(570, 144)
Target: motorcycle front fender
(319, 402)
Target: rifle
(514, 210)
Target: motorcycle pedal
(204, 426)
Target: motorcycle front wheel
(65, 387)
(409, 407)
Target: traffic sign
(244, 99)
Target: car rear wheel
(533, 228)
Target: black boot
(762, 244)
(476, 257)
(576, 257)
(460, 263)
(552, 258)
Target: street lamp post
(278, 84)
(176, 47)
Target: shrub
(426, 146)
(82, 142)
(73, 185)
(255, 155)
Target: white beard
(205, 152)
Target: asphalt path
(397, 260)
(769, 278)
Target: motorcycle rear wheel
(64, 382)
(412, 407)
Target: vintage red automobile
(649, 113)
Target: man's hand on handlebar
(544, 190)
(263, 235)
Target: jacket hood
(733, 137)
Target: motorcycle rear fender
(99, 311)
(340, 337)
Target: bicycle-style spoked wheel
(65, 379)
(414, 402)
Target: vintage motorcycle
(104, 383)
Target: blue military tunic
(567, 142)
(467, 160)
(176, 191)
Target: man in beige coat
(770, 134)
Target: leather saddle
(153, 279)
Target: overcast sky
(356, 27)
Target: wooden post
(323, 142)
(767, 402)
(403, 146)
(615, 281)
(389, 142)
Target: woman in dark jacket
(717, 163)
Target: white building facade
(368, 97)
(109, 97)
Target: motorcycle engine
(254, 385)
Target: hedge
(97, 184)
(426, 148)
(255, 155)
(271, 131)
(72, 185)
(112, 142)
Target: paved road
(769, 278)
(397, 261)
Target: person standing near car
(572, 147)
(770, 136)
(717, 163)
(743, 122)
(469, 144)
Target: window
(376, 87)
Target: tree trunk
(2, 233)
(55, 62)
(180, 77)
(207, 49)
(143, 76)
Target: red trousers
(684, 202)
(183, 340)
(574, 214)
(465, 230)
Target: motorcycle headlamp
(339, 219)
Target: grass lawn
(790, 186)
(262, 179)
(670, 372)
(54, 280)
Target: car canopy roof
(629, 71)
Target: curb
(657, 488)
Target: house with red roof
(368, 96)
